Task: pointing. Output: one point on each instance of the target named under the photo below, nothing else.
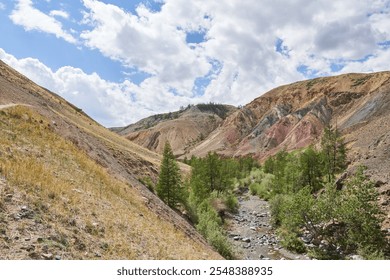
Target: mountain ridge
(183, 129)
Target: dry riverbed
(251, 234)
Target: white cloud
(239, 35)
(147, 42)
(2, 6)
(59, 13)
(111, 104)
(33, 19)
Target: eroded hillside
(184, 129)
(294, 116)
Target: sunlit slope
(70, 188)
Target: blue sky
(124, 60)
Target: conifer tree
(169, 187)
(333, 152)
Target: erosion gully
(251, 234)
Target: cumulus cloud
(59, 13)
(241, 36)
(31, 18)
(147, 42)
(249, 47)
(111, 104)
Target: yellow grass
(80, 200)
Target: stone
(305, 239)
(57, 257)
(262, 256)
(324, 242)
(340, 181)
(380, 183)
(246, 239)
(47, 256)
(247, 246)
(253, 228)
(33, 255)
(236, 238)
(384, 202)
(356, 257)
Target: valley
(251, 233)
(73, 189)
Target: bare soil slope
(183, 129)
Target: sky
(121, 61)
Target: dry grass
(91, 213)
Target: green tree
(169, 187)
(362, 215)
(333, 153)
(310, 167)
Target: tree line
(308, 204)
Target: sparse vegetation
(360, 81)
(85, 212)
(147, 181)
(218, 109)
(311, 83)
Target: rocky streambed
(251, 234)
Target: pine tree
(333, 152)
(169, 187)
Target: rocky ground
(252, 235)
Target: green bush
(231, 202)
(276, 205)
(292, 242)
(147, 181)
(209, 225)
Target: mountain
(70, 188)
(294, 116)
(183, 129)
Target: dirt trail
(252, 235)
(5, 106)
